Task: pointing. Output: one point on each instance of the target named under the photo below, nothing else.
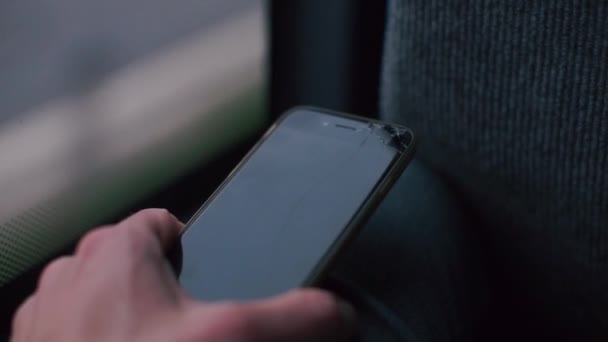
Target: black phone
(291, 205)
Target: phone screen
(274, 220)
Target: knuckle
(53, 270)
(138, 237)
(92, 240)
(148, 227)
(157, 217)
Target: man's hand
(119, 287)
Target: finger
(92, 241)
(301, 315)
(159, 224)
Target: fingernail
(348, 314)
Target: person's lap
(416, 266)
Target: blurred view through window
(102, 102)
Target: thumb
(299, 315)
(303, 315)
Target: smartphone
(293, 203)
